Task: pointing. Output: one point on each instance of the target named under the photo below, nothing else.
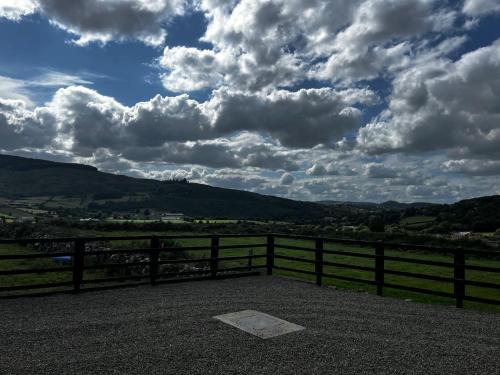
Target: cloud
(266, 155)
(191, 69)
(480, 7)
(11, 88)
(442, 105)
(192, 174)
(378, 38)
(217, 133)
(103, 21)
(93, 120)
(286, 179)
(377, 170)
(26, 89)
(472, 167)
(15, 10)
(20, 127)
(52, 78)
(262, 45)
(304, 118)
(316, 170)
(235, 179)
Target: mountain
(51, 185)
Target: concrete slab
(259, 324)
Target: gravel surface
(169, 329)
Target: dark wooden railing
(79, 255)
(379, 271)
(272, 244)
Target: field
(340, 271)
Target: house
(172, 217)
(461, 235)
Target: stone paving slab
(259, 324)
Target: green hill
(56, 184)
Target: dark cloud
(96, 20)
(20, 128)
(304, 118)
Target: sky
(360, 100)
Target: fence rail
(213, 270)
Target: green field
(42, 278)
(416, 268)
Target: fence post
(250, 260)
(154, 255)
(214, 256)
(319, 261)
(78, 261)
(270, 254)
(459, 277)
(379, 268)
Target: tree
(376, 224)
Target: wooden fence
(213, 270)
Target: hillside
(478, 214)
(52, 185)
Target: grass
(394, 279)
(41, 278)
(37, 263)
(11, 212)
(340, 271)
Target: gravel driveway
(169, 329)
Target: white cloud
(481, 7)
(316, 170)
(51, 78)
(474, 167)
(261, 45)
(16, 9)
(25, 89)
(442, 105)
(11, 88)
(191, 69)
(102, 21)
(378, 39)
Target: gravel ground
(169, 329)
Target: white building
(172, 217)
